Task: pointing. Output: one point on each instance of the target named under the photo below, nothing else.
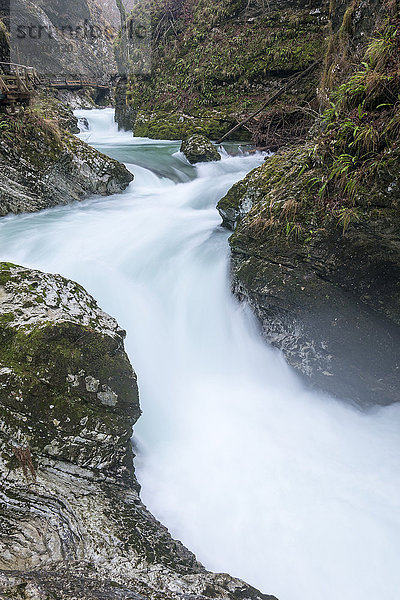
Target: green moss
(48, 107)
(36, 140)
(5, 274)
(6, 318)
(4, 42)
(282, 197)
(348, 171)
(178, 125)
(212, 55)
(42, 359)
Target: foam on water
(293, 491)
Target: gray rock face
(72, 524)
(198, 148)
(328, 308)
(330, 303)
(125, 115)
(236, 204)
(88, 55)
(46, 167)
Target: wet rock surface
(329, 308)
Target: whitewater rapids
(295, 492)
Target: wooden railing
(17, 82)
(74, 84)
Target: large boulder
(198, 148)
(71, 520)
(42, 165)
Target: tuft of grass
(349, 171)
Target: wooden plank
(3, 85)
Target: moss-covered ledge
(215, 62)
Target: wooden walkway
(17, 84)
(76, 84)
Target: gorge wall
(63, 48)
(316, 245)
(215, 61)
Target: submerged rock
(71, 520)
(198, 148)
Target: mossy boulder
(197, 148)
(43, 165)
(324, 283)
(68, 389)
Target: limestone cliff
(42, 164)
(316, 244)
(71, 520)
(76, 38)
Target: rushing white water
(294, 492)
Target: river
(293, 491)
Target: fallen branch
(271, 99)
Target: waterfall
(291, 490)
